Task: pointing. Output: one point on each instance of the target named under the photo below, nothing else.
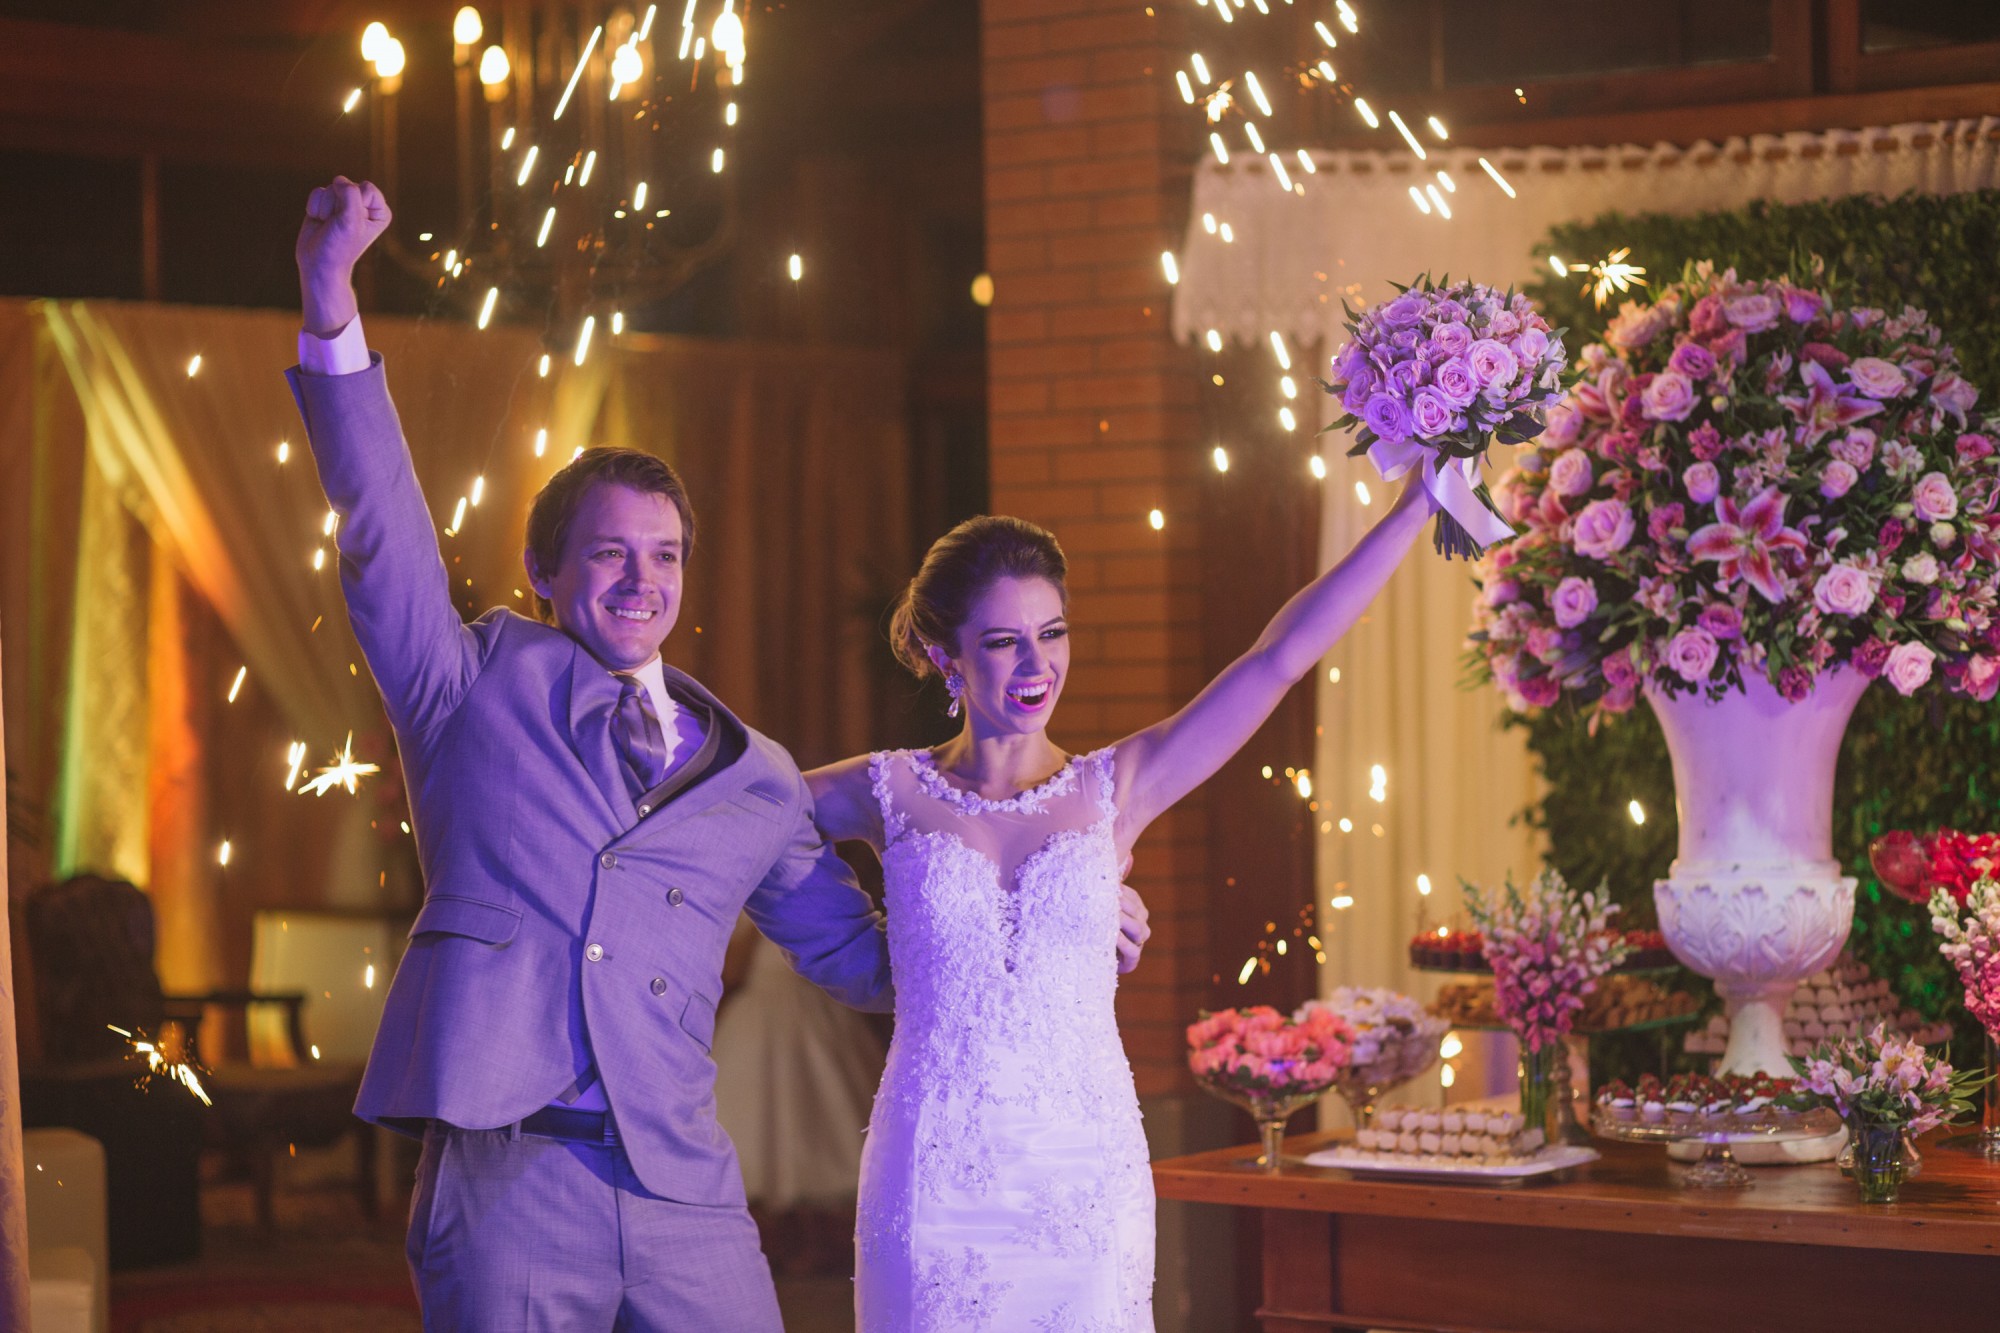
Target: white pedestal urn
(1755, 899)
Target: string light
(1378, 783)
(486, 309)
(295, 758)
(1424, 885)
(478, 489)
(236, 686)
(1278, 350)
(796, 266)
(194, 365)
(589, 164)
(1637, 811)
(1361, 493)
(639, 196)
(527, 165)
(1286, 419)
(1220, 456)
(1317, 466)
(1208, 223)
(541, 441)
(353, 100)
(583, 338)
(1214, 340)
(544, 370)
(1157, 519)
(284, 451)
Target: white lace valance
(1354, 228)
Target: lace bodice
(1007, 1094)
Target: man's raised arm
(398, 598)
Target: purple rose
(1692, 653)
(1692, 360)
(1451, 339)
(1722, 620)
(1838, 479)
(1430, 413)
(1877, 378)
(1752, 312)
(1908, 667)
(1703, 482)
(1454, 379)
(1402, 312)
(1603, 529)
(1349, 360)
(1801, 306)
(1570, 474)
(1565, 424)
(1387, 417)
(1359, 390)
(1575, 598)
(1492, 364)
(1663, 521)
(1504, 324)
(1530, 346)
(1406, 377)
(1705, 441)
(1844, 591)
(1870, 658)
(1934, 498)
(1670, 397)
(1890, 536)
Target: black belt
(559, 1122)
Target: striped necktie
(635, 729)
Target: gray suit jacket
(557, 925)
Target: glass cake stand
(1718, 1167)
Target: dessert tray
(1717, 1113)
(1559, 1157)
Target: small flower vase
(1361, 1097)
(1879, 1168)
(1270, 1110)
(1542, 1080)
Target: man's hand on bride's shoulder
(1133, 930)
(342, 220)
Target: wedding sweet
(1844, 1000)
(1471, 1135)
(1619, 1001)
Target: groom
(590, 823)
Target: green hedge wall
(1906, 763)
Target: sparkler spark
(164, 1063)
(236, 686)
(1256, 92)
(1611, 274)
(344, 771)
(577, 73)
(1498, 179)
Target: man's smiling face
(616, 588)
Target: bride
(1004, 1182)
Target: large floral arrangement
(1548, 945)
(1883, 1080)
(1749, 478)
(1432, 377)
(1258, 1054)
(1394, 1038)
(1972, 946)
(1916, 866)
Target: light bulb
(373, 38)
(493, 67)
(466, 27)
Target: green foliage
(1917, 764)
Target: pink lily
(1825, 406)
(1744, 541)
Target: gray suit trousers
(512, 1232)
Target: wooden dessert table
(1615, 1245)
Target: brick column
(1093, 420)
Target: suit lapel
(725, 775)
(593, 694)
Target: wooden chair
(92, 940)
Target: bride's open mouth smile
(1032, 696)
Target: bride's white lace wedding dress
(1004, 1182)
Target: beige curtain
(132, 480)
(1454, 779)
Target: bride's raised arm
(1166, 761)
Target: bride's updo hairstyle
(957, 571)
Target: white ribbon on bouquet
(1450, 484)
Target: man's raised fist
(342, 220)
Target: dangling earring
(954, 684)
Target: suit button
(676, 897)
(645, 810)
(594, 953)
(659, 985)
(609, 860)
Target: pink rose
(1492, 364)
(1752, 312)
(1455, 381)
(1706, 319)
(1870, 658)
(1575, 598)
(1565, 425)
(1953, 394)
(1530, 346)
(1705, 441)
(1722, 620)
(1603, 529)
(1856, 449)
(1934, 498)
(1838, 479)
(1982, 677)
(1972, 448)
(1703, 482)
(1635, 325)
(1619, 673)
(1691, 653)
(1692, 360)
(1670, 397)
(1542, 691)
(1451, 339)
(1731, 346)
(1877, 378)
(1908, 667)
(1844, 590)
(1664, 520)
(1570, 474)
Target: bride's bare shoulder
(844, 804)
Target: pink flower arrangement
(1748, 478)
(1432, 377)
(1884, 1080)
(1548, 945)
(1972, 946)
(1258, 1053)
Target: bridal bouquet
(1972, 946)
(1259, 1054)
(1432, 378)
(1751, 477)
(1548, 946)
